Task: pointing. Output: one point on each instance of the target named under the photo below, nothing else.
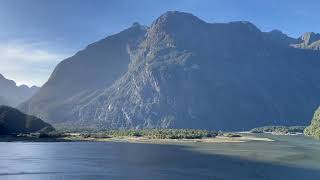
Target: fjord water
(289, 157)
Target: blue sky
(35, 35)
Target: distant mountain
(276, 36)
(314, 128)
(3, 101)
(183, 72)
(13, 121)
(13, 95)
(309, 40)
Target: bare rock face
(79, 77)
(309, 40)
(182, 72)
(13, 95)
(313, 129)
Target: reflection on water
(288, 158)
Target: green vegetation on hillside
(279, 129)
(314, 129)
(154, 134)
(13, 122)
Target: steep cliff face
(183, 72)
(194, 74)
(81, 75)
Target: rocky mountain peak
(277, 33)
(183, 72)
(6, 82)
(176, 15)
(281, 38)
(310, 37)
(175, 20)
(245, 25)
(308, 40)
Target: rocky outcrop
(309, 40)
(314, 129)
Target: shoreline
(125, 139)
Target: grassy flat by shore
(217, 139)
(152, 136)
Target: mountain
(314, 128)
(182, 72)
(13, 121)
(13, 95)
(3, 101)
(77, 78)
(309, 40)
(282, 39)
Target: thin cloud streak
(28, 52)
(28, 63)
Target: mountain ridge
(13, 95)
(101, 54)
(186, 73)
(309, 40)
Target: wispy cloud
(28, 62)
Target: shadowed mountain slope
(13, 121)
(90, 70)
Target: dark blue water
(288, 158)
